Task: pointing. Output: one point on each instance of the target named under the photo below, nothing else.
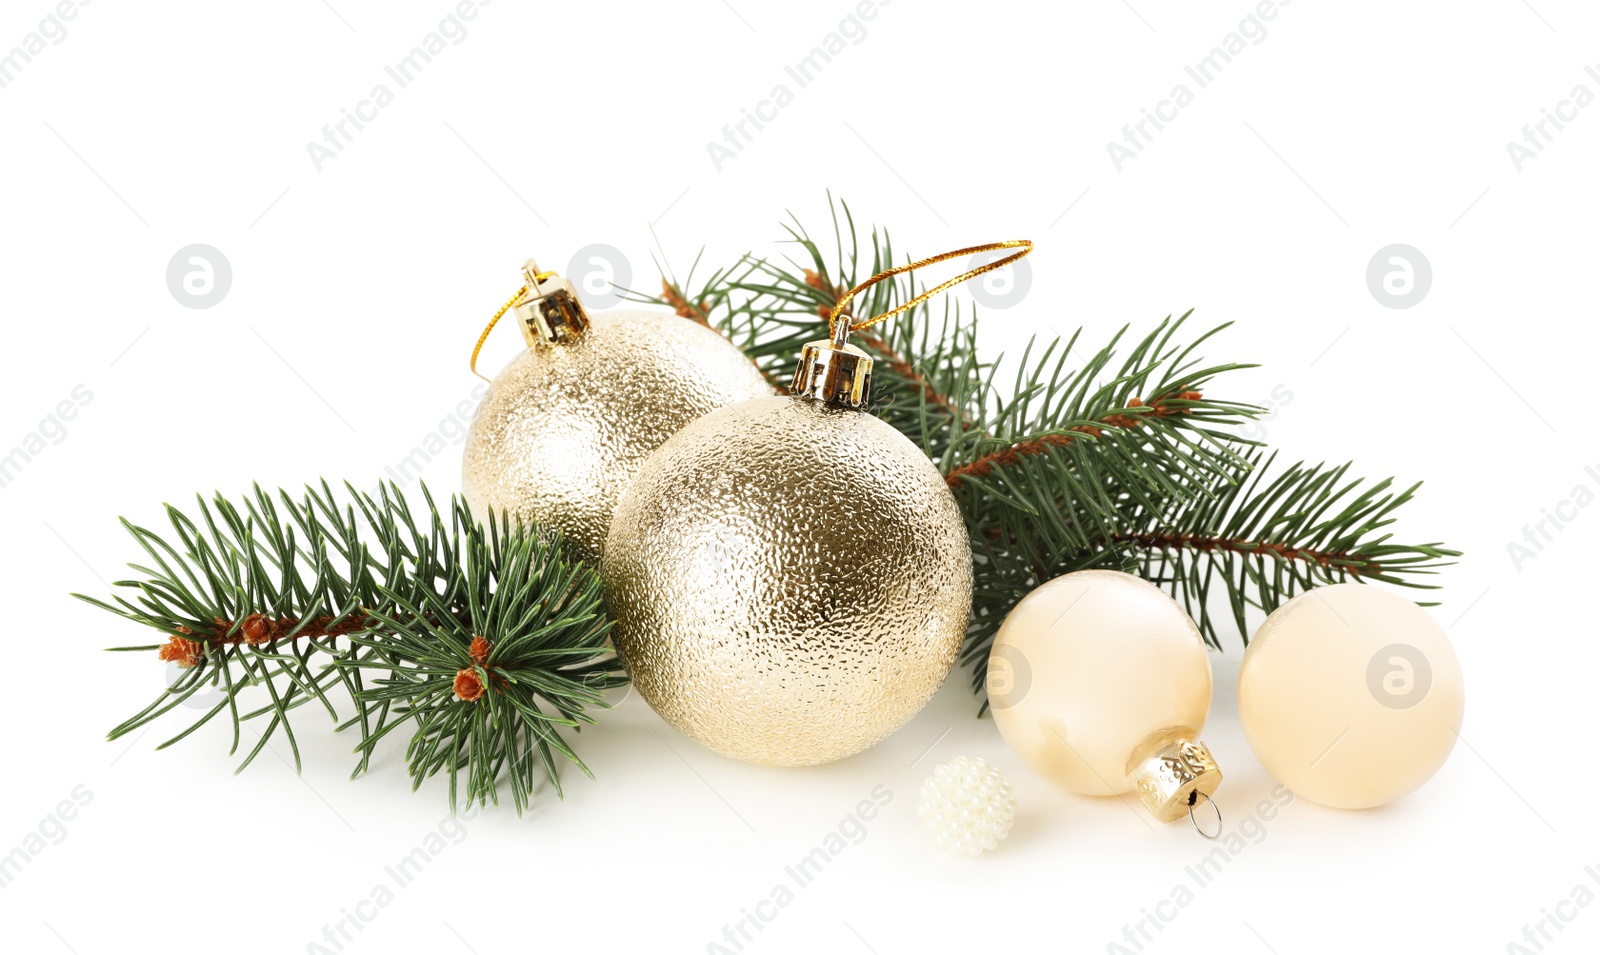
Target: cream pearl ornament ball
(967, 806)
(567, 424)
(1101, 683)
(1351, 696)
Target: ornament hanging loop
(1214, 808)
(839, 374)
(548, 307)
(839, 329)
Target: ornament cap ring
(532, 276)
(840, 334)
(1195, 798)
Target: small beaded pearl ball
(967, 805)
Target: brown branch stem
(1206, 543)
(982, 466)
(255, 630)
(904, 369)
(701, 313)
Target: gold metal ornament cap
(550, 311)
(834, 373)
(1173, 780)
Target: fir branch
(1126, 458)
(249, 601)
(263, 596)
(1267, 539)
(488, 687)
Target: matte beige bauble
(790, 576)
(1351, 696)
(1101, 683)
(569, 421)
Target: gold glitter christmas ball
(567, 423)
(790, 580)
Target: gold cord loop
(838, 334)
(513, 300)
(492, 323)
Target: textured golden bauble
(1351, 696)
(1101, 683)
(790, 580)
(567, 423)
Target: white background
(358, 290)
